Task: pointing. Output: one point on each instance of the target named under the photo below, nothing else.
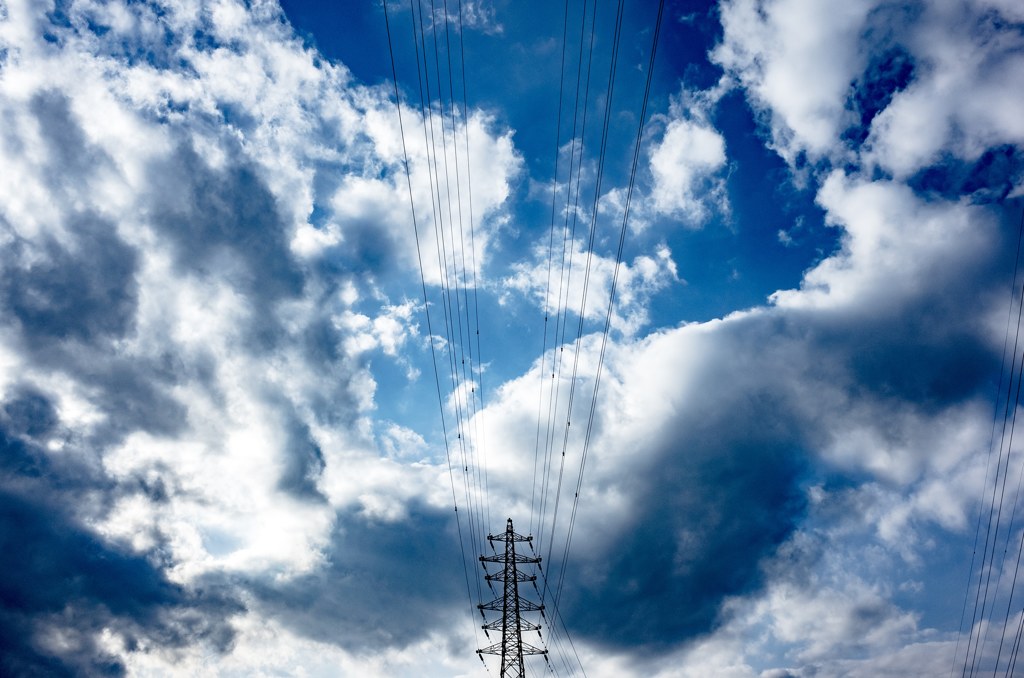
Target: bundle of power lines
(992, 644)
(457, 269)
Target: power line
(456, 310)
(586, 273)
(426, 303)
(459, 362)
(553, 632)
(975, 640)
(993, 532)
(475, 408)
(450, 302)
(472, 244)
(991, 447)
(611, 299)
(551, 248)
(1013, 512)
(561, 312)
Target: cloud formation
(198, 223)
(212, 320)
(687, 164)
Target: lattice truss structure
(511, 648)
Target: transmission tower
(511, 624)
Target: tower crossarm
(524, 625)
(497, 648)
(490, 649)
(526, 606)
(530, 649)
(520, 576)
(498, 604)
(518, 558)
(509, 536)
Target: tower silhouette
(511, 649)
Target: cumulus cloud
(715, 443)
(68, 588)
(196, 220)
(637, 282)
(799, 77)
(205, 241)
(930, 117)
(882, 80)
(687, 163)
(816, 444)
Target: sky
(302, 300)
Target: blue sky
(224, 447)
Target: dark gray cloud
(28, 412)
(303, 459)
(721, 489)
(74, 296)
(368, 249)
(386, 584)
(715, 507)
(62, 584)
(225, 223)
(72, 160)
(726, 482)
(87, 294)
(71, 304)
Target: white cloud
(802, 80)
(957, 48)
(389, 331)
(828, 368)
(795, 59)
(685, 164)
(230, 407)
(637, 282)
(363, 202)
(882, 222)
(401, 443)
(219, 385)
(265, 647)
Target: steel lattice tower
(511, 648)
